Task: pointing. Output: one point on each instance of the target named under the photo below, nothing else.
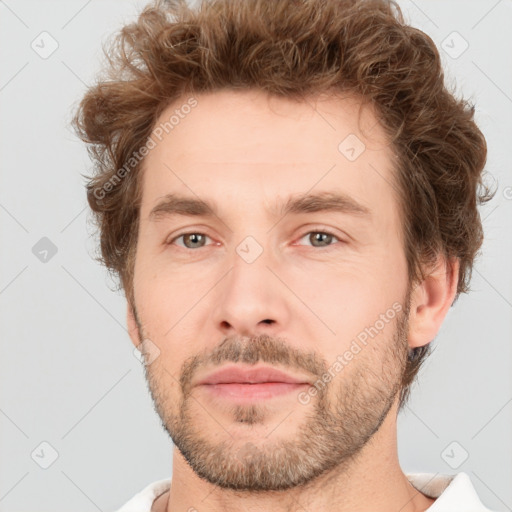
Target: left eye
(196, 240)
(321, 237)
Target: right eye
(193, 238)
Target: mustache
(250, 350)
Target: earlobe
(430, 302)
(133, 330)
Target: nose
(251, 300)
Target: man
(288, 194)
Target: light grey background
(68, 374)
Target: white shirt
(453, 493)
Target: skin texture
(298, 306)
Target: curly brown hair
(294, 49)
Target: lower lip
(249, 392)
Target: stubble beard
(339, 422)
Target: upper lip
(238, 374)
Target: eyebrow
(175, 204)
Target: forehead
(247, 149)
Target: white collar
(453, 493)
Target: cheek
(348, 305)
(155, 306)
(168, 304)
(346, 295)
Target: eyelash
(321, 231)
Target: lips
(245, 375)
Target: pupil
(194, 238)
(319, 236)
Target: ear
(430, 302)
(133, 330)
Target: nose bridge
(252, 257)
(249, 298)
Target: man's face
(320, 295)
